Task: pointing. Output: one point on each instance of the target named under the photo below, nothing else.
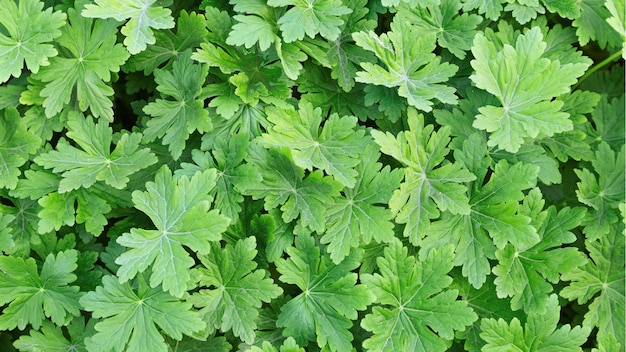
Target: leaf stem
(597, 67)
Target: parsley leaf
(131, 316)
(329, 300)
(236, 291)
(525, 90)
(428, 187)
(95, 161)
(174, 119)
(181, 211)
(142, 16)
(410, 65)
(33, 296)
(26, 36)
(334, 148)
(414, 311)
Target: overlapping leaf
(181, 211)
(525, 90)
(329, 300)
(414, 310)
(235, 290)
(431, 183)
(27, 36)
(130, 317)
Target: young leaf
(601, 281)
(358, 216)
(235, 290)
(410, 65)
(608, 120)
(142, 16)
(285, 184)
(525, 273)
(89, 55)
(131, 316)
(310, 17)
(226, 158)
(329, 300)
(16, 144)
(58, 210)
(95, 161)
(335, 148)
(525, 90)
(540, 333)
(181, 211)
(428, 187)
(32, 296)
(26, 36)
(178, 117)
(414, 311)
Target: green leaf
(27, 32)
(617, 20)
(414, 310)
(174, 119)
(16, 145)
(431, 183)
(310, 17)
(285, 185)
(32, 297)
(603, 192)
(335, 148)
(89, 54)
(525, 273)
(490, 9)
(130, 317)
(181, 211)
(250, 30)
(142, 17)
(539, 333)
(494, 219)
(358, 216)
(190, 32)
(525, 90)
(410, 65)
(592, 25)
(289, 345)
(601, 282)
(52, 338)
(95, 161)
(235, 290)
(329, 300)
(226, 158)
(454, 30)
(607, 123)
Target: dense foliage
(319, 175)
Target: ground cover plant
(312, 175)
